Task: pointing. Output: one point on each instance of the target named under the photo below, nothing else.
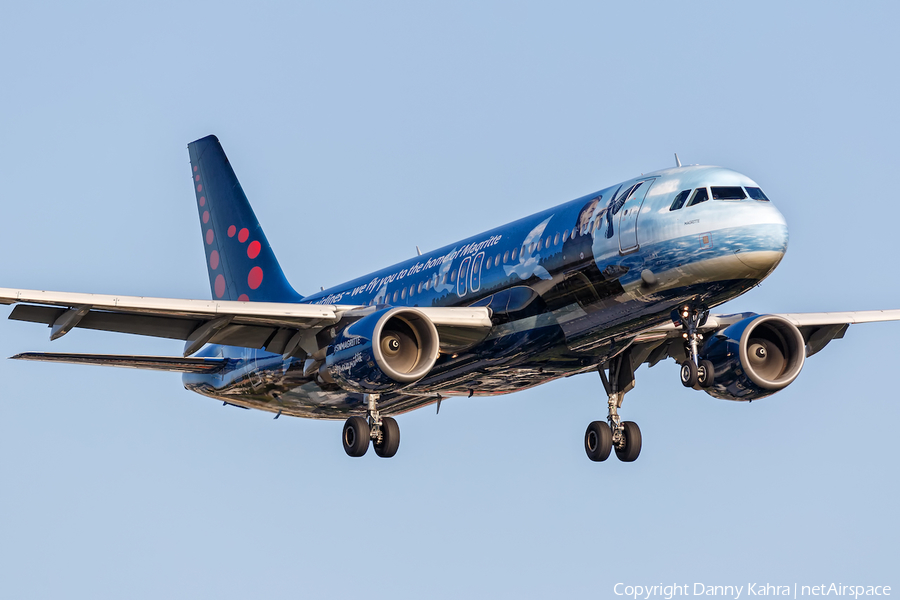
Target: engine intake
(384, 351)
(755, 357)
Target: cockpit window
(757, 194)
(678, 202)
(699, 196)
(728, 193)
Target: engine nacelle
(384, 351)
(755, 357)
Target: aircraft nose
(764, 238)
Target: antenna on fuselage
(419, 252)
(677, 160)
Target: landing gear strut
(693, 370)
(383, 432)
(623, 436)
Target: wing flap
(176, 328)
(154, 363)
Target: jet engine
(754, 358)
(384, 351)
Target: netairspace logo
(751, 589)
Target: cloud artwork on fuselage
(528, 264)
(442, 281)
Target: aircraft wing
(286, 328)
(658, 343)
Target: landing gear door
(628, 217)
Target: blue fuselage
(569, 288)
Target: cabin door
(628, 217)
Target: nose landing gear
(383, 432)
(623, 436)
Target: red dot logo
(243, 235)
(231, 231)
(220, 286)
(202, 200)
(195, 168)
(199, 187)
(206, 216)
(243, 298)
(210, 236)
(214, 260)
(253, 249)
(197, 177)
(254, 279)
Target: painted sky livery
(609, 281)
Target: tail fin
(241, 263)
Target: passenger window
(700, 195)
(556, 239)
(539, 244)
(395, 296)
(728, 193)
(515, 250)
(412, 290)
(453, 277)
(565, 235)
(403, 294)
(678, 202)
(505, 256)
(497, 259)
(421, 285)
(757, 194)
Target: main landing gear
(383, 432)
(623, 436)
(693, 370)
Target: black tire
(356, 436)
(598, 441)
(390, 438)
(632, 448)
(688, 373)
(706, 374)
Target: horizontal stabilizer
(155, 363)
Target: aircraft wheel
(598, 441)
(706, 373)
(356, 436)
(632, 448)
(390, 438)
(688, 373)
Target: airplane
(604, 283)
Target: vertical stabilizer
(240, 261)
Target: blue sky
(360, 131)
